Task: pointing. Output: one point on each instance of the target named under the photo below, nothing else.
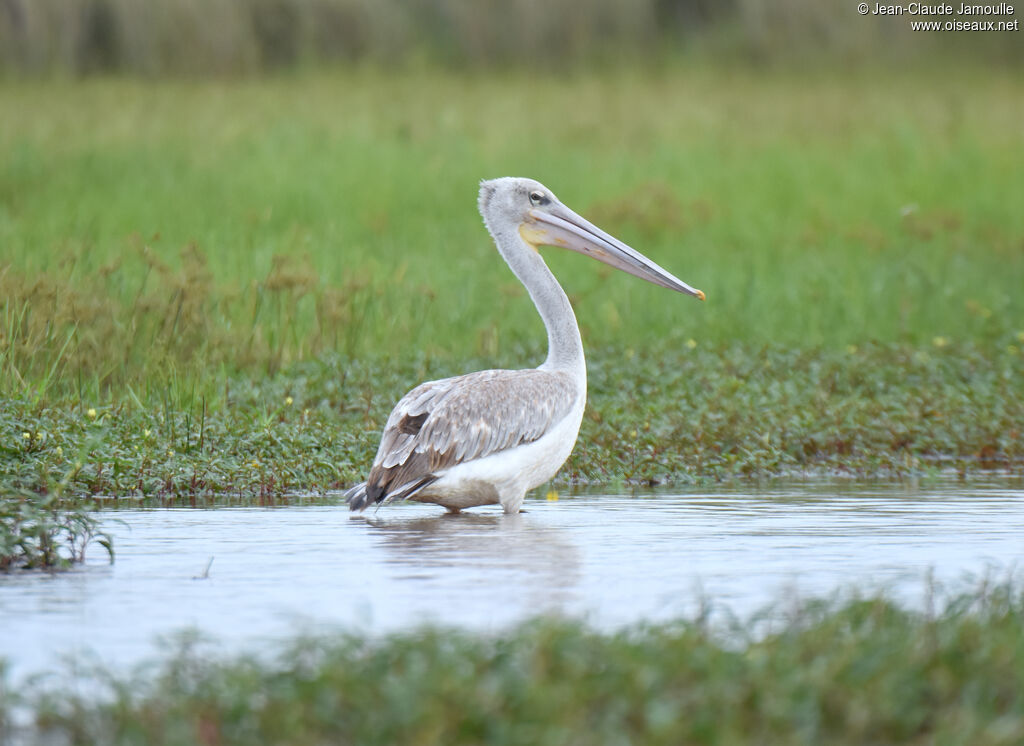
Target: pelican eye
(538, 198)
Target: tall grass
(186, 227)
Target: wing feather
(440, 424)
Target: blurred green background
(243, 36)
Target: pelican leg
(512, 501)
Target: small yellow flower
(288, 401)
(40, 437)
(91, 413)
(27, 436)
(146, 433)
(552, 496)
(255, 464)
(691, 343)
(940, 341)
(60, 451)
(632, 433)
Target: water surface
(613, 559)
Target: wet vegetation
(45, 532)
(680, 417)
(850, 672)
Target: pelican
(487, 438)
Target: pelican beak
(557, 225)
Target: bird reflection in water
(486, 551)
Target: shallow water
(615, 559)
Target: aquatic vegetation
(861, 670)
(709, 413)
(42, 532)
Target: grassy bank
(670, 416)
(863, 671)
(223, 286)
(700, 414)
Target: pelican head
(541, 219)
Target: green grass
(241, 223)
(852, 672)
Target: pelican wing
(440, 424)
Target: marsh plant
(41, 532)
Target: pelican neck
(565, 346)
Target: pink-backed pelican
(487, 438)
